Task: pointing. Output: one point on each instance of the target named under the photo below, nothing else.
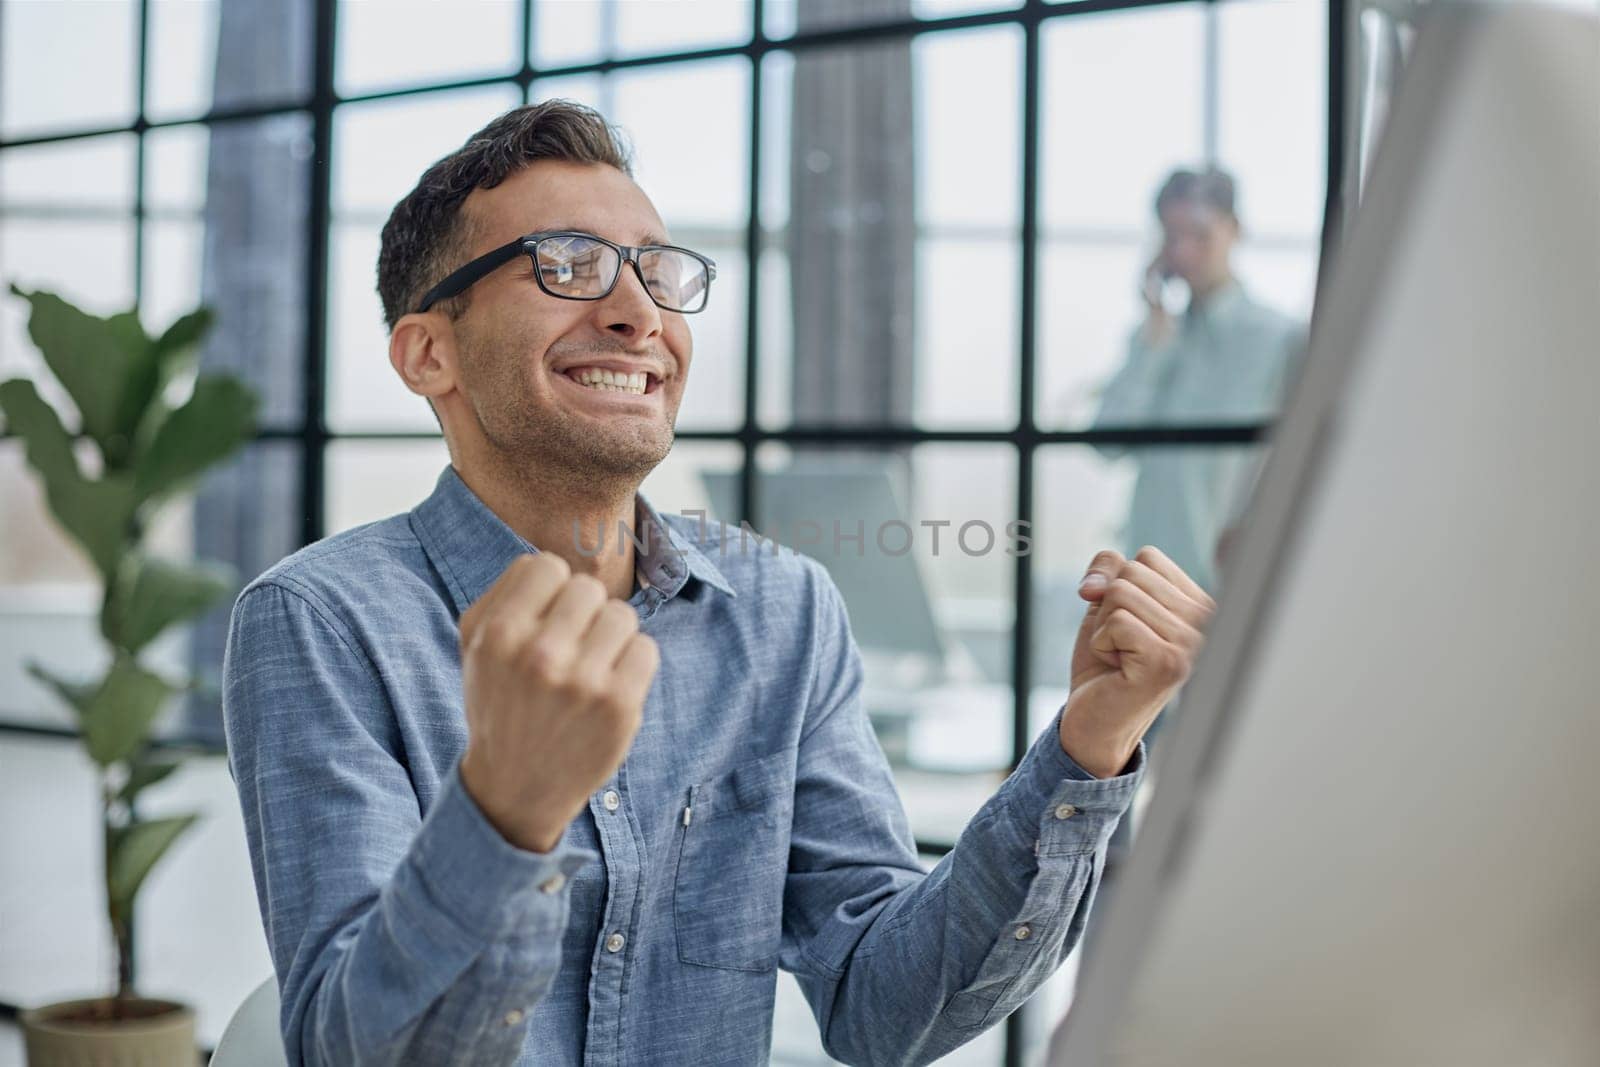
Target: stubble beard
(554, 447)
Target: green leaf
(141, 380)
(152, 594)
(218, 418)
(89, 356)
(77, 694)
(169, 356)
(95, 513)
(147, 772)
(117, 720)
(133, 849)
(184, 334)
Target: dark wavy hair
(426, 236)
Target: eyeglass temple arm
(458, 280)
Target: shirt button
(614, 943)
(513, 1017)
(1022, 933)
(611, 800)
(1065, 811)
(553, 883)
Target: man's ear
(422, 350)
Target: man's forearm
(957, 952)
(447, 963)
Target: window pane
(784, 18)
(371, 480)
(226, 226)
(464, 39)
(175, 168)
(681, 25)
(889, 284)
(918, 543)
(1272, 89)
(205, 55)
(690, 129)
(381, 149)
(1084, 322)
(364, 392)
(567, 34)
(680, 483)
(1121, 104)
(91, 172)
(67, 66)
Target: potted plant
(149, 450)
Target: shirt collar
(472, 546)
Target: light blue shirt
(1227, 362)
(753, 825)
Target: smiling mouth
(601, 380)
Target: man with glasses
(524, 787)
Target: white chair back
(252, 1038)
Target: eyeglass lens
(582, 268)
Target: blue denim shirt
(753, 825)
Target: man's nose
(628, 310)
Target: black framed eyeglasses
(574, 265)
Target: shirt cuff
(473, 874)
(1069, 809)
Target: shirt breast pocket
(733, 855)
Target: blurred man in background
(1223, 358)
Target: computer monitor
(1374, 836)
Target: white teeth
(611, 381)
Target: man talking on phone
(515, 797)
(1222, 358)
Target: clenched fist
(554, 676)
(1138, 641)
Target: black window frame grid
(1026, 438)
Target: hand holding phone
(1153, 286)
(1155, 290)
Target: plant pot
(81, 1033)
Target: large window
(930, 219)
